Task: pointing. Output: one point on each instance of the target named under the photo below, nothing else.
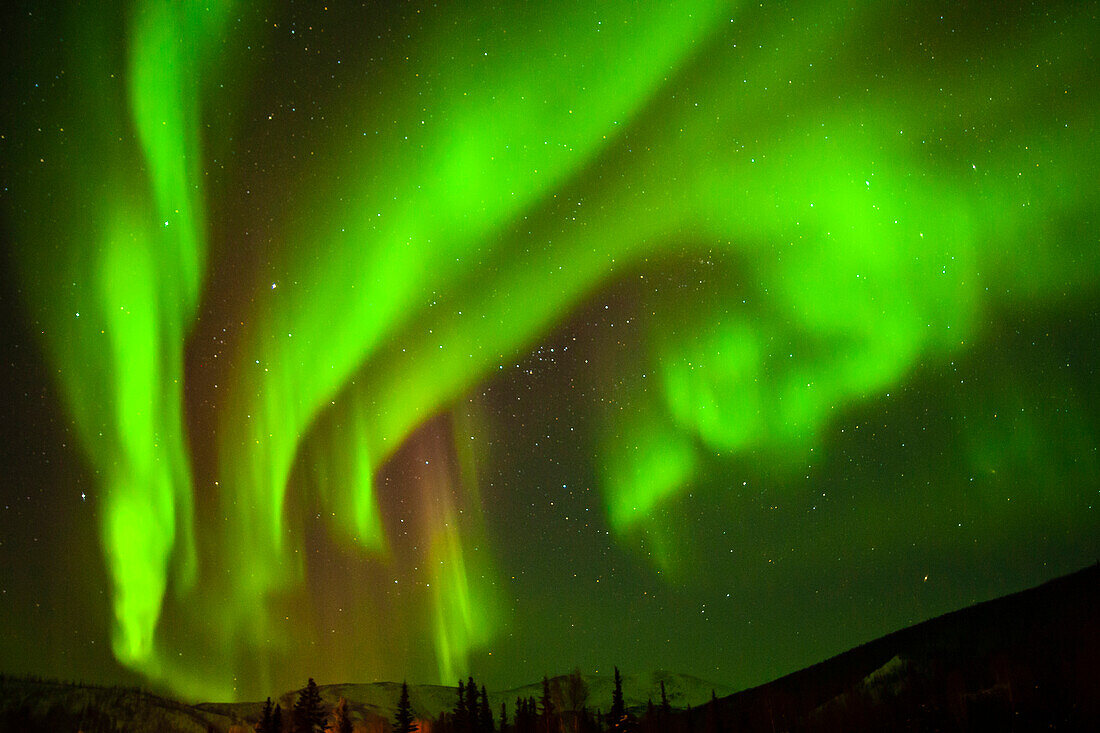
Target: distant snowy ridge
(379, 699)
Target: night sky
(409, 341)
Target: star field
(397, 341)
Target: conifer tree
(309, 717)
(520, 719)
(485, 713)
(404, 721)
(264, 726)
(546, 707)
(711, 721)
(461, 716)
(277, 719)
(526, 715)
(472, 708)
(503, 718)
(618, 707)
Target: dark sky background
(396, 341)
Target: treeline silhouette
(563, 706)
(560, 707)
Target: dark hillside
(29, 705)
(1026, 661)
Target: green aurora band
(855, 214)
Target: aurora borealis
(403, 341)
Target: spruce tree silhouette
(403, 720)
(472, 711)
(265, 726)
(520, 719)
(461, 720)
(711, 721)
(546, 707)
(503, 718)
(277, 719)
(618, 707)
(484, 714)
(308, 715)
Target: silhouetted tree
(618, 707)
(472, 703)
(546, 707)
(309, 717)
(526, 715)
(520, 722)
(503, 718)
(461, 719)
(711, 722)
(665, 709)
(484, 713)
(277, 719)
(403, 719)
(264, 725)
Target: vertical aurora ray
(837, 218)
(125, 290)
(155, 280)
(465, 611)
